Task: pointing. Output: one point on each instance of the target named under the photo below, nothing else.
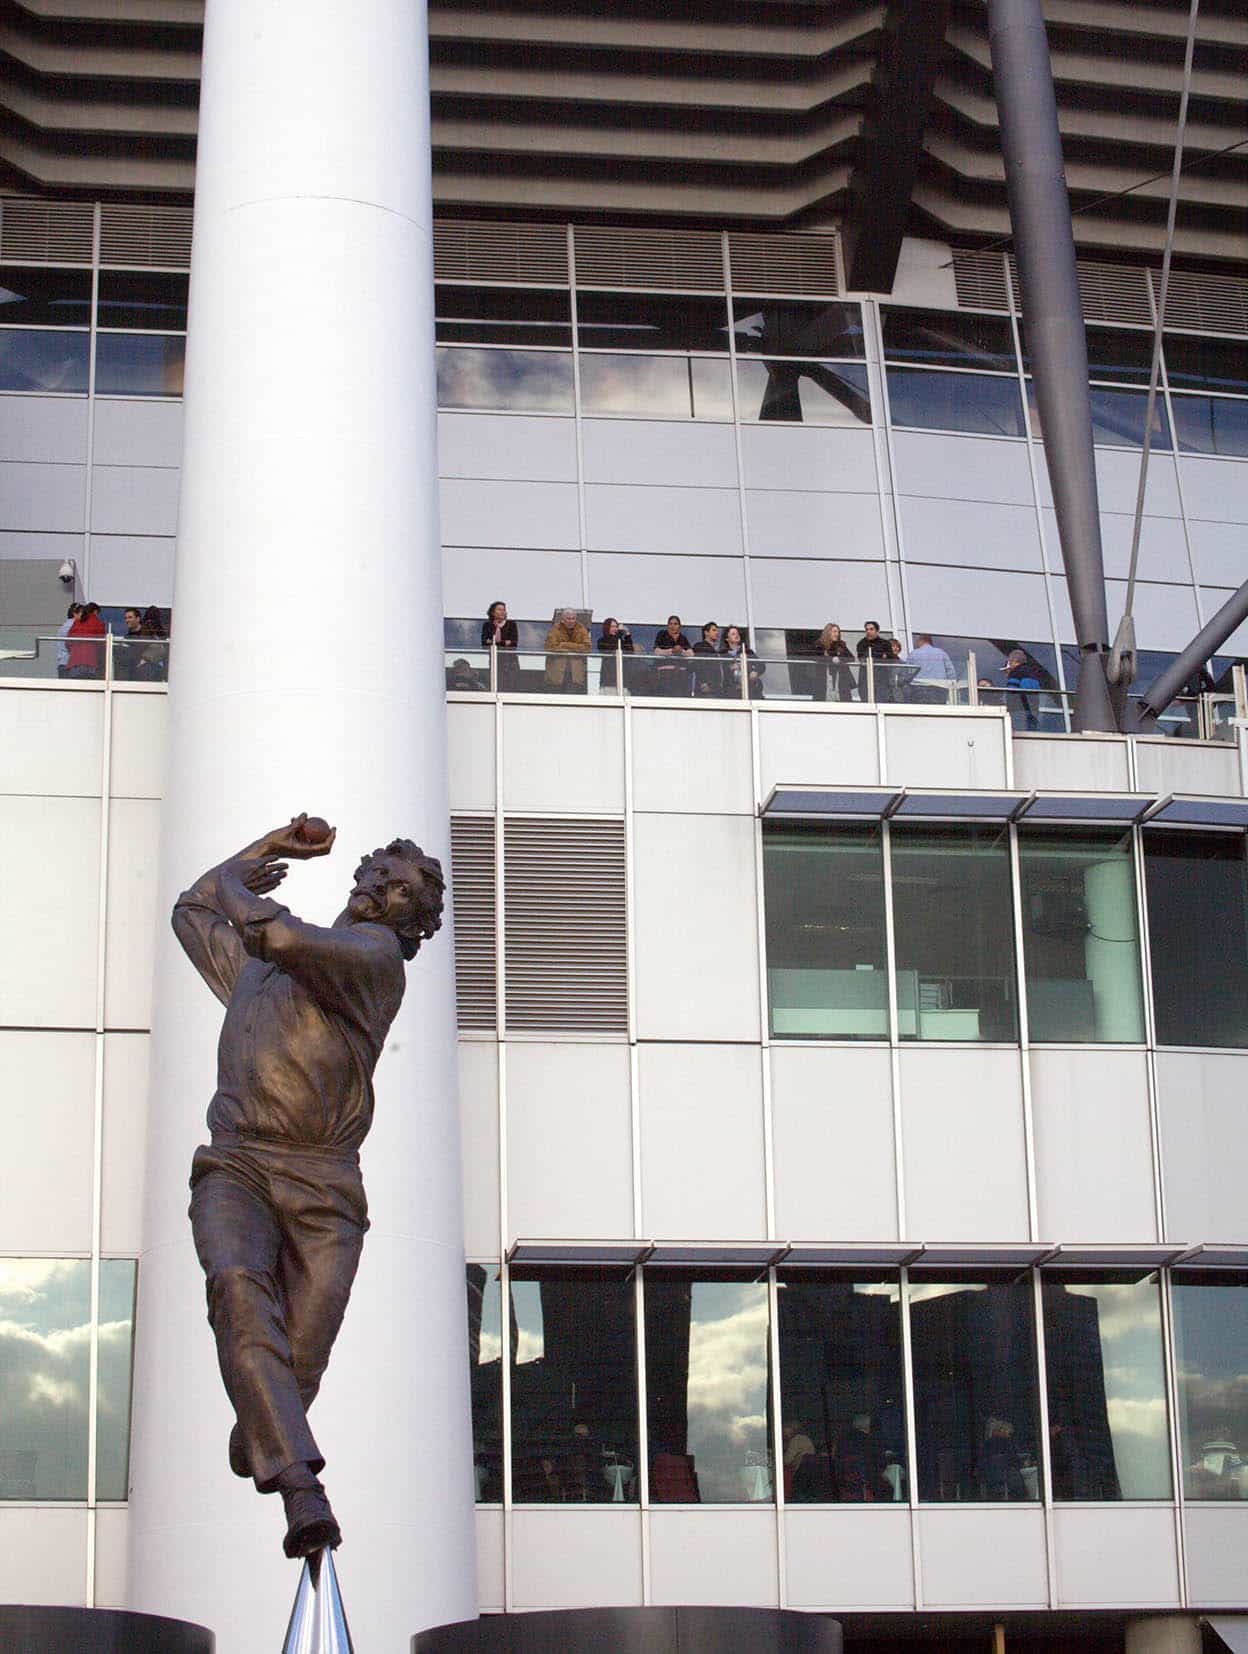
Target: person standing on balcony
(936, 671)
(497, 632)
(834, 680)
(737, 650)
(708, 675)
(615, 641)
(569, 643)
(62, 631)
(673, 649)
(86, 645)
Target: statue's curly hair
(427, 901)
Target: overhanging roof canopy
(1196, 810)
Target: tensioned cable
(1155, 370)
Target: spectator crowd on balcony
(140, 654)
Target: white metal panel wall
(1093, 1145)
(130, 925)
(536, 582)
(1106, 1558)
(834, 1152)
(1219, 553)
(51, 429)
(132, 569)
(124, 1138)
(788, 523)
(48, 926)
(1216, 490)
(701, 768)
(47, 498)
(1217, 1539)
(478, 1137)
(568, 756)
(775, 456)
(486, 513)
(626, 586)
(112, 1534)
(978, 603)
(46, 1551)
(52, 741)
(506, 446)
(983, 1558)
(137, 759)
(472, 757)
(1204, 1147)
(687, 522)
(834, 1559)
(804, 591)
(139, 432)
(569, 1140)
(491, 1591)
(1086, 763)
(137, 499)
(964, 468)
(946, 752)
(694, 1553)
(801, 746)
(45, 1175)
(584, 1558)
(664, 453)
(969, 532)
(1165, 766)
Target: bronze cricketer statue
(277, 1200)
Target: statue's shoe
(310, 1523)
(238, 1454)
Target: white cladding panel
(52, 742)
(49, 498)
(964, 468)
(976, 532)
(713, 1556)
(977, 602)
(139, 432)
(983, 1558)
(844, 1559)
(1118, 479)
(480, 513)
(659, 453)
(470, 753)
(1093, 1145)
(43, 1556)
(1219, 552)
(1217, 1539)
(805, 592)
(1108, 1557)
(817, 749)
(491, 1592)
(701, 1114)
(702, 522)
(696, 977)
(971, 1098)
(775, 456)
(569, 1141)
(833, 1149)
(126, 1104)
(135, 499)
(1168, 766)
(536, 582)
(685, 767)
(789, 524)
(1216, 489)
(45, 1176)
(1212, 598)
(478, 1138)
(518, 447)
(1086, 763)
(584, 1558)
(1165, 615)
(566, 758)
(112, 1535)
(625, 586)
(947, 751)
(137, 759)
(48, 926)
(130, 929)
(1204, 1147)
(1163, 546)
(131, 570)
(48, 428)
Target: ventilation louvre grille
(688, 259)
(1216, 303)
(469, 251)
(566, 952)
(145, 236)
(980, 280)
(472, 896)
(47, 232)
(798, 264)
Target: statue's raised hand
(306, 836)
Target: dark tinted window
(139, 364)
(796, 327)
(1198, 937)
(527, 381)
(55, 298)
(1194, 363)
(485, 1380)
(1211, 1365)
(135, 298)
(1212, 425)
(664, 387)
(814, 393)
(503, 316)
(973, 402)
(35, 360)
(942, 338)
(1117, 417)
(651, 321)
(1121, 355)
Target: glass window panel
(1196, 363)
(142, 299)
(485, 1380)
(503, 316)
(524, 381)
(139, 364)
(842, 1394)
(1211, 1361)
(43, 361)
(1198, 937)
(955, 402)
(1115, 353)
(975, 1390)
(46, 298)
(573, 1388)
(814, 393)
(651, 321)
(953, 917)
(666, 387)
(1106, 1388)
(796, 327)
(112, 1441)
(826, 958)
(941, 338)
(1117, 417)
(1212, 425)
(45, 1315)
(1081, 943)
(707, 1390)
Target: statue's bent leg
(238, 1238)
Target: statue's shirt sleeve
(208, 939)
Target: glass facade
(1081, 943)
(52, 360)
(520, 381)
(485, 1381)
(139, 364)
(660, 387)
(1197, 889)
(1211, 1374)
(976, 403)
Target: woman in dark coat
(614, 642)
(735, 648)
(834, 681)
(497, 632)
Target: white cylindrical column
(1163, 1634)
(307, 674)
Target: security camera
(65, 574)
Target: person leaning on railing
(497, 632)
(85, 644)
(615, 641)
(834, 679)
(568, 643)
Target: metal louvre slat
(610, 257)
(464, 250)
(798, 264)
(566, 969)
(47, 232)
(980, 280)
(153, 236)
(472, 894)
(1216, 303)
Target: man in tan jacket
(565, 670)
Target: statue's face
(384, 892)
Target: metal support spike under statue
(277, 1201)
